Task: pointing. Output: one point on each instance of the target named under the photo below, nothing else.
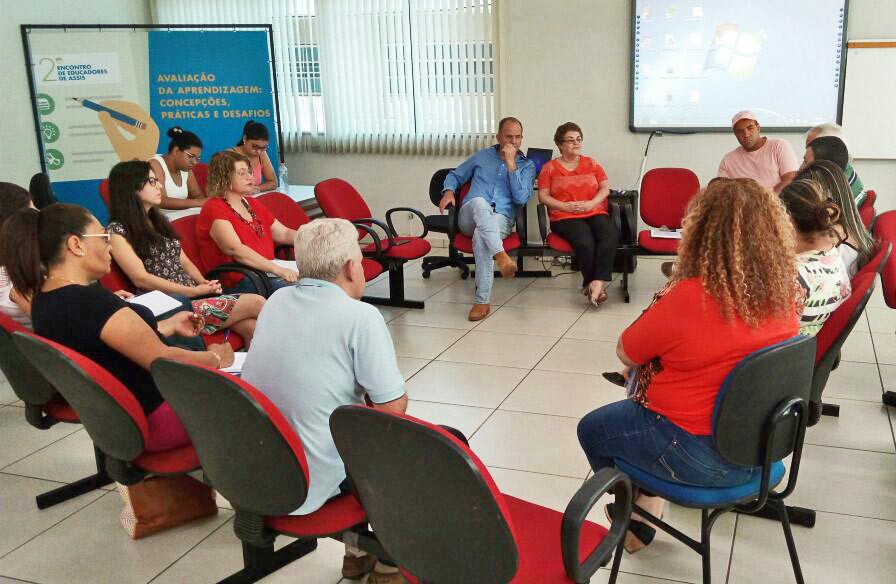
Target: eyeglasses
(257, 148)
(105, 236)
(578, 140)
(191, 157)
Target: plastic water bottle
(283, 184)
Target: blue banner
(211, 83)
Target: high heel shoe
(639, 534)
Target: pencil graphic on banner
(115, 115)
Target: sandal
(615, 378)
(639, 534)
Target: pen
(115, 115)
(226, 335)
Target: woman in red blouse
(575, 189)
(234, 227)
(732, 292)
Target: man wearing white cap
(769, 161)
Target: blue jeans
(245, 286)
(629, 431)
(487, 227)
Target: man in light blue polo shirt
(317, 347)
(502, 180)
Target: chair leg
(396, 290)
(260, 562)
(801, 516)
(617, 560)
(706, 552)
(70, 491)
(889, 398)
(788, 535)
(832, 410)
(625, 287)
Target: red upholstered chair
(337, 198)
(44, 408)
(185, 227)
(257, 462)
(866, 210)
(117, 280)
(433, 504)
(665, 194)
(200, 171)
(622, 212)
(885, 230)
(109, 412)
(104, 191)
(292, 215)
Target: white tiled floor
(516, 384)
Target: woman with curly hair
(732, 292)
(234, 227)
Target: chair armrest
(419, 215)
(385, 242)
(258, 278)
(520, 219)
(377, 242)
(579, 507)
(542, 212)
(452, 222)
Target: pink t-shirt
(766, 165)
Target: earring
(81, 254)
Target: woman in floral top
(149, 252)
(821, 273)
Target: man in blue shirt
(502, 180)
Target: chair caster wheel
(426, 274)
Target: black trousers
(593, 240)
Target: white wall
(18, 144)
(569, 60)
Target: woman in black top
(53, 256)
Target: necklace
(256, 224)
(64, 280)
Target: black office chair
(439, 224)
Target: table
(298, 193)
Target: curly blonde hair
(737, 238)
(221, 169)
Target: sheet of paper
(664, 234)
(157, 301)
(239, 359)
(288, 264)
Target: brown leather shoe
(355, 568)
(479, 311)
(506, 265)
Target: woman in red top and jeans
(234, 227)
(575, 189)
(732, 292)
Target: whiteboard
(869, 106)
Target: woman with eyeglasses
(575, 189)
(53, 256)
(254, 146)
(234, 227)
(180, 189)
(148, 250)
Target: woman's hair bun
(175, 131)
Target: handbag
(639, 377)
(159, 503)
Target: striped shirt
(824, 282)
(855, 184)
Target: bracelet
(218, 357)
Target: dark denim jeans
(245, 286)
(647, 440)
